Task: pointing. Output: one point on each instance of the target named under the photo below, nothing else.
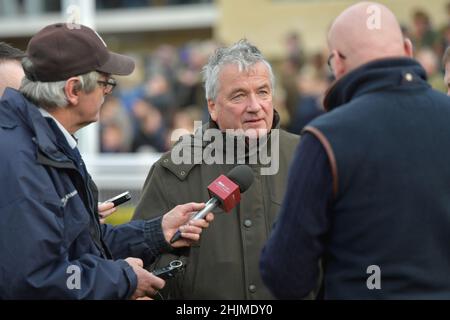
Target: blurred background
(171, 40)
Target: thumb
(192, 207)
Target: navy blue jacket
(49, 220)
(369, 186)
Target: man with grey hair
(239, 86)
(11, 72)
(52, 245)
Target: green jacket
(224, 264)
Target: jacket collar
(375, 76)
(70, 139)
(262, 144)
(16, 104)
(181, 171)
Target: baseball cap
(60, 51)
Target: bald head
(11, 72)
(11, 75)
(364, 32)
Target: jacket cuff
(154, 237)
(131, 277)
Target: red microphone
(225, 192)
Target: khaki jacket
(225, 262)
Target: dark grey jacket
(224, 264)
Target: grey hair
(51, 94)
(243, 54)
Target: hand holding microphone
(225, 192)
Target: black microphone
(225, 192)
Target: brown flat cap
(59, 52)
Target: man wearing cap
(52, 245)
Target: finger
(144, 299)
(191, 229)
(157, 283)
(209, 217)
(139, 262)
(190, 236)
(105, 206)
(135, 261)
(107, 213)
(184, 243)
(200, 223)
(102, 221)
(188, 208)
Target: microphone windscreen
(242, 175)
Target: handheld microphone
(225, 192)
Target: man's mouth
(253, 121)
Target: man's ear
(339, 67)
(212, 108)
(72, 91)
(409, 48)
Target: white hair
(51, 94)
(243, 54)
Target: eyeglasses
(331, 57)
(109, 85)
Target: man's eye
(238, 97)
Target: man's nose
(253, 104)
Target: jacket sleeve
(153, 202)
(35, 264)
(140, 239)
(290, 260)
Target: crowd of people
(170, 96)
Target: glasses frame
(108, 85)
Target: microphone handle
(210, 205)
